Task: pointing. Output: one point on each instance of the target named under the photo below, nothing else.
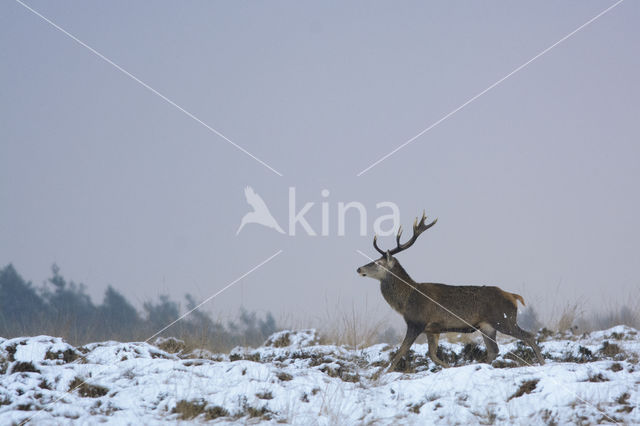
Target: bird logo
(260, 214)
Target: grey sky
(535, 183)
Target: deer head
(387, 264)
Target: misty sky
(534, 183)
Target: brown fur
(433, 308)
(514, 298)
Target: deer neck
(396, 288)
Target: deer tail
(513, 298)
(520, 298)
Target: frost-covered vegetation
(294, 378)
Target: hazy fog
(535, 183)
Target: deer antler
(375, 245)
(418, 228)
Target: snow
(293, 378)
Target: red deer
(439, 308)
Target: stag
(432, 308)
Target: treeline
(63, 308)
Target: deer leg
(515, 331)
(531, 341)
(432, 339)
(489, 337)
(413, 331)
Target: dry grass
(568, 318)
(24, 367)
(170, 344)
(188, 410)
(353, 330)
(285, 377)
(358, 326)
(526, 387)
(579, 316)
(628, 314)
(86, 390)
(352, 327)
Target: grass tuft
(473, 352)
(24, 367)
(86, 390)
(525, 388)
(611, 350)
(285, 377)
(597, 378)
(522, 355)
(66, 356)
(263, 412)
(415, 408)
(188, 410)
(170, 344)
(11, 352)
(616, 366)
(265, 395)
(624, 398)
(4, 400)
(282, 341)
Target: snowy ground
(293, 379)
